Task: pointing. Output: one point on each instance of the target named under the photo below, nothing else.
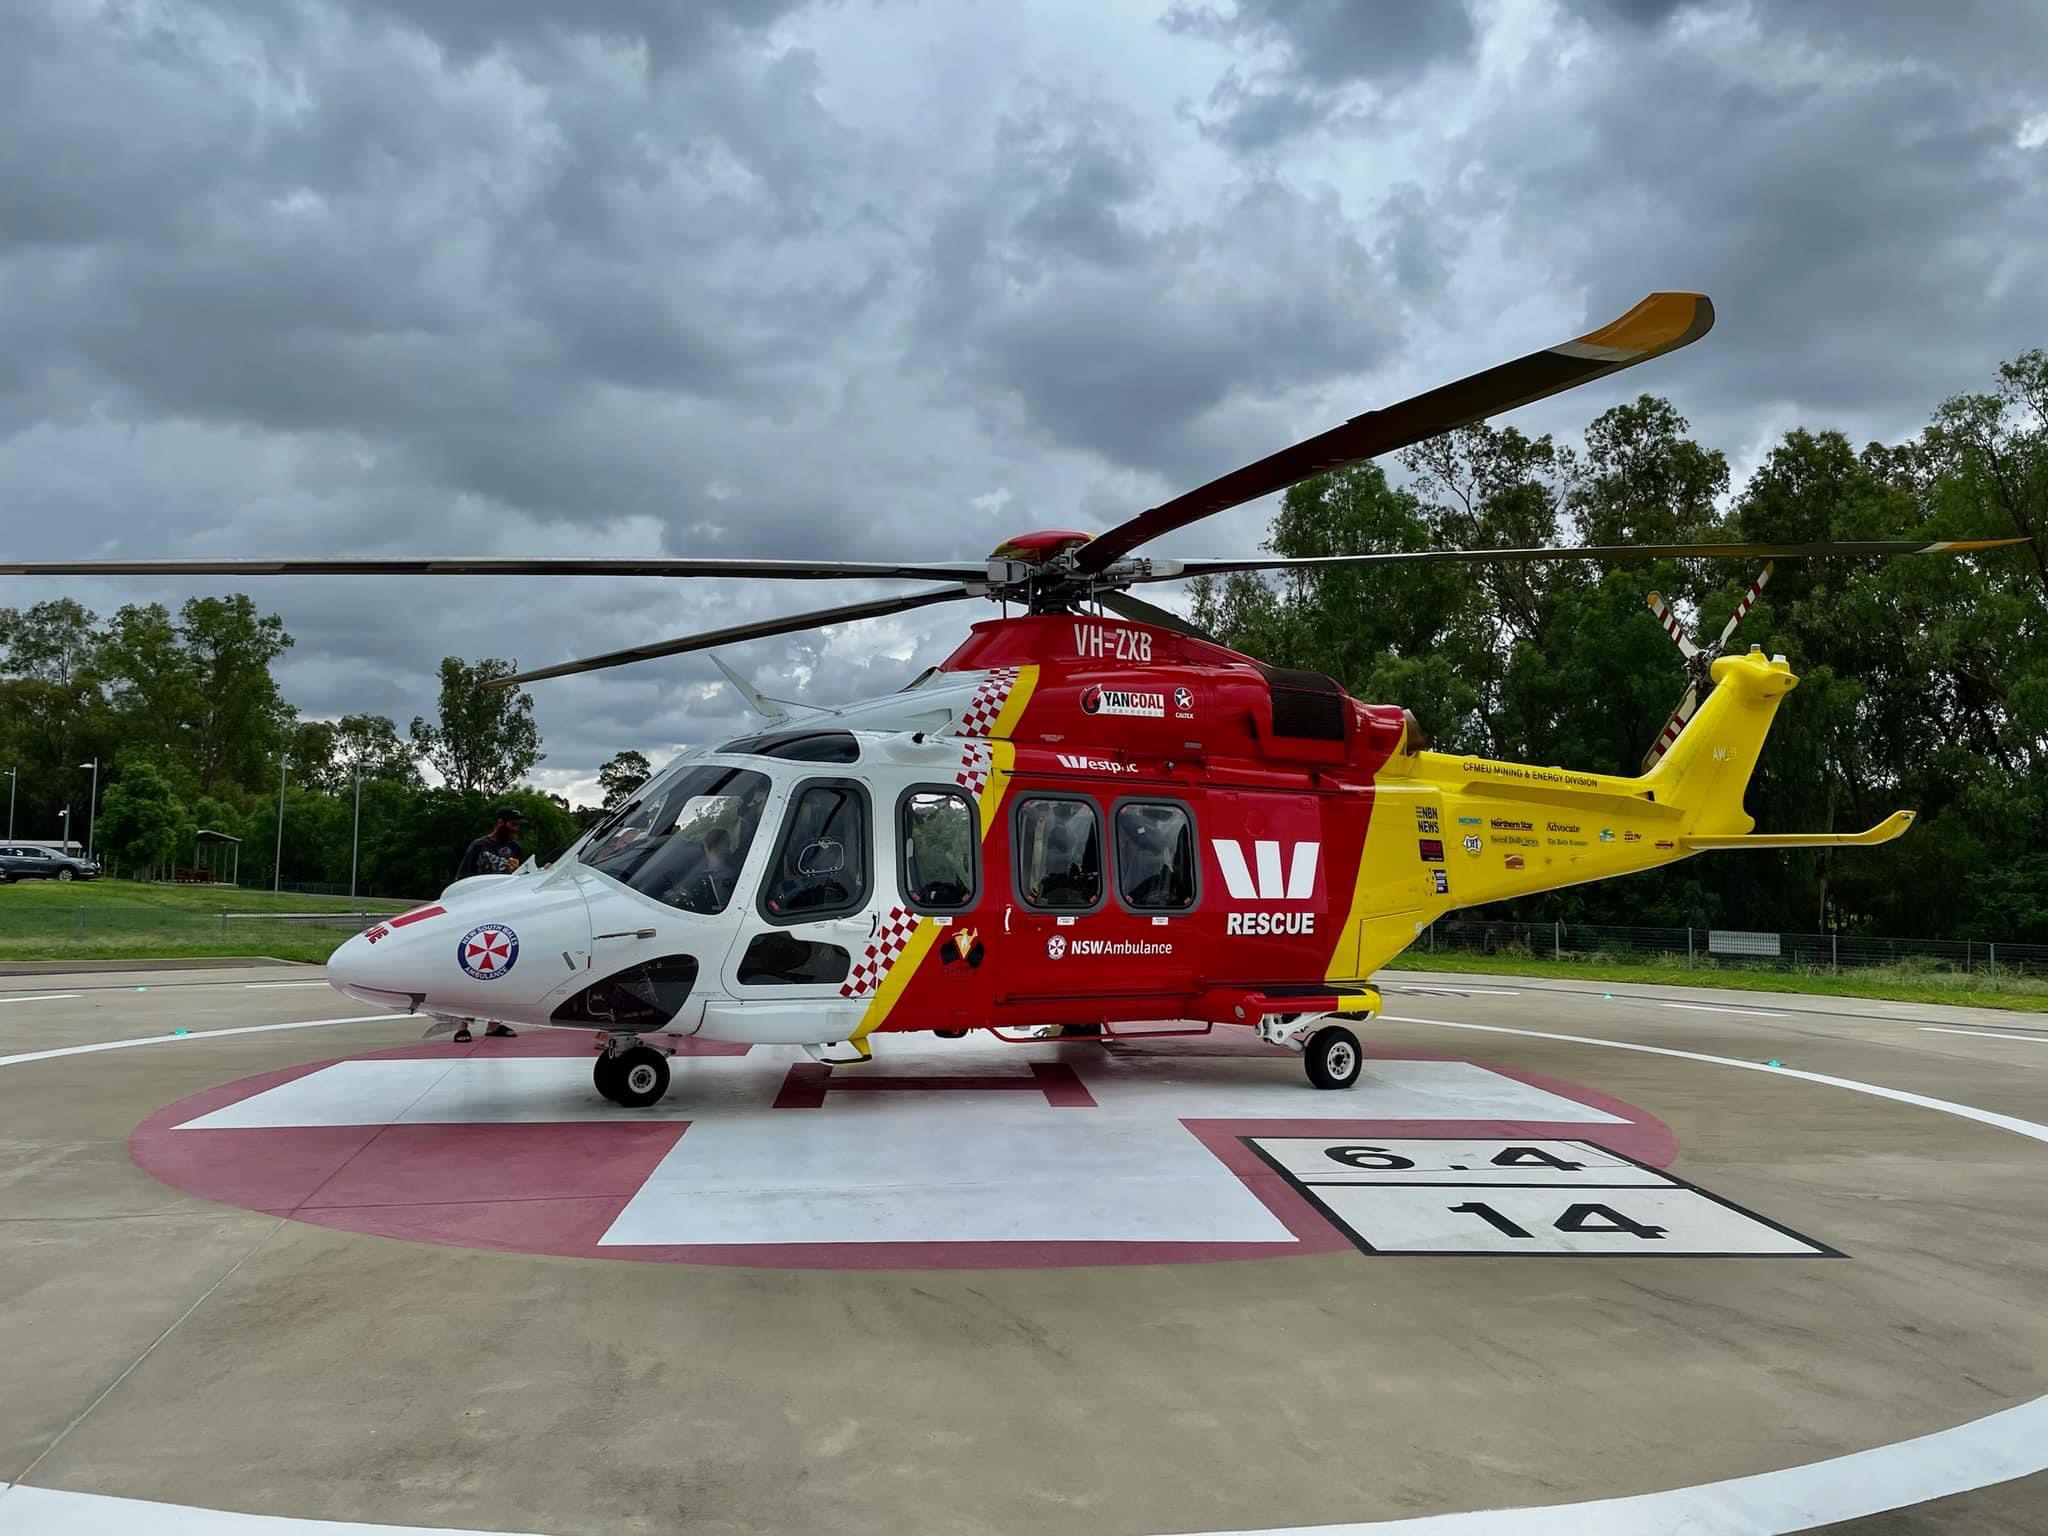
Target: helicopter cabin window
(939, 834)
(821, 869)
(1059, 854)
(683, 837)
(1155, 856)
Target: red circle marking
(557, 1187)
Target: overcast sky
(883, 279)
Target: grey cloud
(1323, 47)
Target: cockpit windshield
(684, 837)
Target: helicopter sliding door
(1100, 922)
(814, 911)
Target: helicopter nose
(371, 968)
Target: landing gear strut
(632, 1076)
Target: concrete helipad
(1560, 1247)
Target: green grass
(127, 920)
(1891, 983)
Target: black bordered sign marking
(1453, 1196)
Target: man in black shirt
(497, 852)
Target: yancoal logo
(1268, 877)
(487, 951)
(1123, 701)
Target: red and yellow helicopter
(1075, 821)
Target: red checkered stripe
(873, 968)
(982, 711)
(976, 758)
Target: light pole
(356, 837)
(64, 839)
(13, 783)
(277, 863)
(94, 765)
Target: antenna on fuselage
(773, 709)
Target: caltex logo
(487, 951)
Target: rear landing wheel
(1332, 1057)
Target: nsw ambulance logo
(1274, 872)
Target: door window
(1155, 856)
(776, 958)
(821, 869)
(1059, 855)
(939, 832)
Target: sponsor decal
(1567, 842)
(1431, 849)
(1666, 843)
(1261, 924)
(1512, 840)
(1631, 837)
(1607, 834)
(1560, 826)
(1469, 821)
(1514, 861)
(1060, 947)
(381, 931)
(1532, 775)
(1442, 880)
(1085, 764)
(1425, 818)
(487, 951)
(1123, 701)
(1111, 642)
(963, 945)
(1275, 880)
(1511, 826)
(1473, 843)
(1184, 703)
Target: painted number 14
(1586, 1216)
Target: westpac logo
(1094, 764)
(1267, 876)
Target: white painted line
(57, 1512)
(1982, 1034)
(272, 986)
(39, 997)
(1444, 987)
(197, 1034)
(1761, 1013)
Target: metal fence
(1745, 948)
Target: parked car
(21, 861)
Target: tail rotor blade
(1672, 627)
(1672, 727)
(1742, 608)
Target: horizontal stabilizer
(1892, 826)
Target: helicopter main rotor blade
(1843, 548)
(1136, 608)
(1662, 323)
(788, 624)
(377, 565)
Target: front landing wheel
(639, 1078)
(1333, 1058)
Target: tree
(141, 821)
(621, 776)
(369, 746)
(48, 642)
(242, 716)
(486, 739)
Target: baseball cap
(509, 813)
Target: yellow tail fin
(1707, 769)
